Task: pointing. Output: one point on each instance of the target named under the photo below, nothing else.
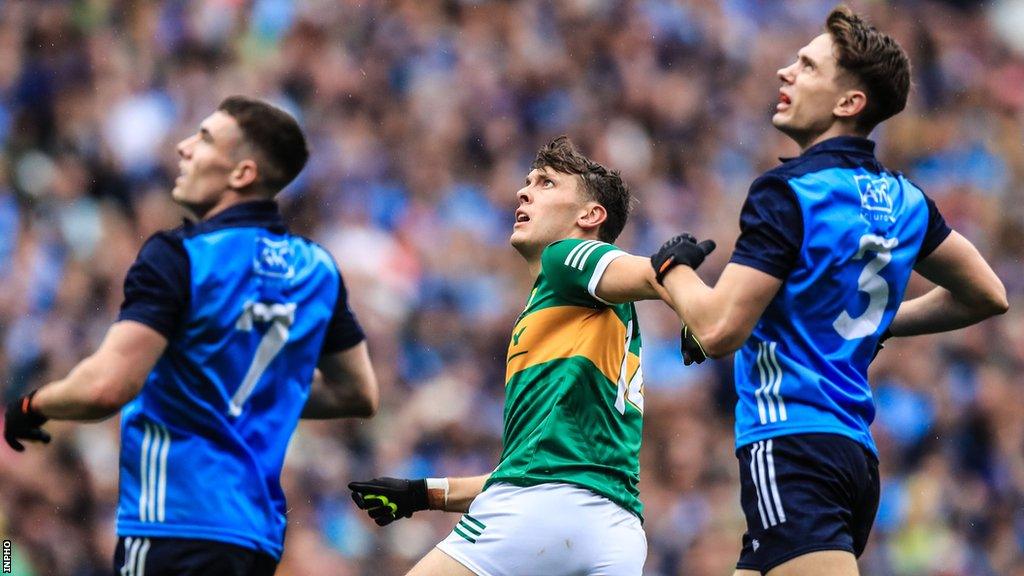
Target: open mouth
(521, 217)
(784, 99)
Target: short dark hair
(875, 60)
(274, 135)
(604, 186)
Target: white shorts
(547, 530)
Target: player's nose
(785, 74)
(184, 148)
(523, 195)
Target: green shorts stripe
(462, 524)
(474, 521)
(461, 533)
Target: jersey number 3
(877, 289)
(281, 317)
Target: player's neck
(533, 265)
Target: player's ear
(850, 103)
(592, 216)
(244, 174)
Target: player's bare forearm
(628, 279)
(107, 380)
(721, 318)
(936, 311)
(462, 492)
(82, 395)
(344, 385)
(968, 291)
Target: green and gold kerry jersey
(573, 385)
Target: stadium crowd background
(423, 116)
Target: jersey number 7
(281, 317)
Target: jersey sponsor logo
(274, 258)
(470, 528)
(875, 200)
(578, 256)
(156, 442)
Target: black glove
(682, 249)
(692, 351)
(388, 499)
(21, 422)
(881, 343)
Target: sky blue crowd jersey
(247, 309)
(843, 233)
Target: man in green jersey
(563, 499)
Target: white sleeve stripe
(602, 265)
(575, 249)
(583, 256)
(580, 249)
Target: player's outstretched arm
(968, 291)
(344, 385)
(628, 279)
(388, 499)
(716, 321)
(95, 389)
(721, 318)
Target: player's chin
(517, 239)
(521, 242)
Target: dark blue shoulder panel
(771, 228)
(157, 288)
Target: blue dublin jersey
(843, 233)
(247, 309)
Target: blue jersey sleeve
(771, 228)
(344, 330)
(156, 290)
(938, 230)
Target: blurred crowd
(423, 117)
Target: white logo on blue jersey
(875, 200)
(274, 258)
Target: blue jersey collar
(261, 213)
(839, 144)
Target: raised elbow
(721, 340)
(995, 302)
(370, 405)
(366, 404)
(999, 305)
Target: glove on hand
(21, 422)
(388, 499)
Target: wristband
(26, 406)
(437, 493)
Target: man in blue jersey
(231, 329)
(815, 283)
